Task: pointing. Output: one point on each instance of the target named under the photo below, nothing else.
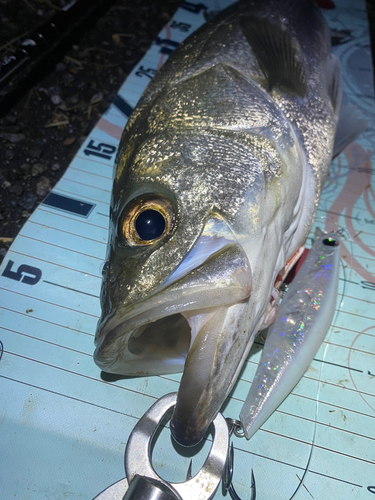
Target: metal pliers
(143, 483)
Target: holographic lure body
(302, 322)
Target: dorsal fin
(278, 54)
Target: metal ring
(239, 431)
(137, 454)
(235, 427)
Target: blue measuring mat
(64, 429)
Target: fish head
(172, 250)
(199, 220)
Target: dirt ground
(40, 134)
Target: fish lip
(148, 314)
(203, 288)
(127, 328)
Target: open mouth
(167, 335)
(159, 331)
(153, 348)
(169, 339)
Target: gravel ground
(42, 132)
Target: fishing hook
(235, 427)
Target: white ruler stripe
(89, 180)
(98, 220)
(91, 194)
(46, 331)
(46, 311)
(74, 258)
(47, 368)
(53, 220)
(85, 245)
(84, 167)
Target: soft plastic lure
(302, 322)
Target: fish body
(304, 316)
(219, 175)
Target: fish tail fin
(349, 126)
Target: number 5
(26, 274)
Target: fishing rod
(44, 40)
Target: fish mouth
(156, 347)
(191, 324)
(157, 333)
(205, 344)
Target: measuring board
(63, 429)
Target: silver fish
(304, 316)
(220, 171)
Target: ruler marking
(153, 397)
(47, 321)
(60, 214)
(326, 382)
(50, 303)
(342, 214)
(63, 248)
(328, 426)
(296, 466)
(330, 450)
(341, 311)
(72, 289)
(330, 362)
(354, 349)
(57, 265)
(76, 399)
(348, 281)
(91, 173)
(70, 193)
(123, 106)
(93, 160)
(353, 331)
(338, 365)
(46, 341)
(66, 232)
(78, 374)
(65, 204)
(87, 185)
(296, 395)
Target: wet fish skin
(304, 317)
(234, 153)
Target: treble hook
(235, 427)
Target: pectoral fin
(350, 124)
(349, 127)
(334, 81)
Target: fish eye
(147, 220)
(150, 225)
